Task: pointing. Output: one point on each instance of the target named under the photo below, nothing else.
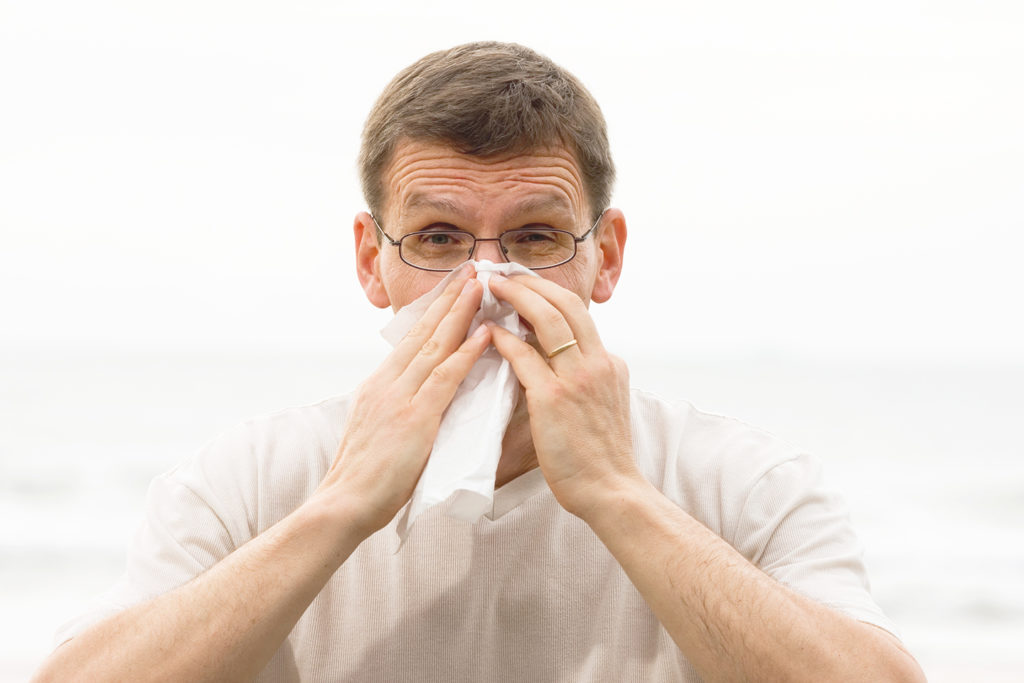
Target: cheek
(573, 276)
(405, 284)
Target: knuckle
(582, 380)
(440, 374)
(557, 393)
(418, 329)
(430, 347)
(553, 318)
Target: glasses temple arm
(587, 233)
(381, 231)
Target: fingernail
(498, 277)
(480, 331)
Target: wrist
(341, 523)
(612, 498)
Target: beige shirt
(528, 593)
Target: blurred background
(826, 203)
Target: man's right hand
(396, 413)
(226, 623)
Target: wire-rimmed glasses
(443, 250)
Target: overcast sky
(799, 177)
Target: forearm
(732, 621)
(225, 624)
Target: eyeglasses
(443, 250)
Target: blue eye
(438, 239)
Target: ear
(611, 243)
(368, 260)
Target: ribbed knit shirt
(527, 593)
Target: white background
(811, 187)
(842, 179)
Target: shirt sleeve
(181, 536)
(235, 487)
(800, 533)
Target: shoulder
(297, 424)
(265, 466)
(763, 496)
(707, 463)
(702, 442)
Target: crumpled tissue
(464, 459)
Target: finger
(570, 306)
(447, 337)
(438, 389)
(421, 331)
(550, 326)
(529, 366)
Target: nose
(488, 248)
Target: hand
(578, 401)
(396, 412)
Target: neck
(517, 454)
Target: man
(630, 539)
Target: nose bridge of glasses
(488, 245)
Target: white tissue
(465, 456)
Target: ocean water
(930, 458)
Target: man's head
(485, 138)
(488, 99)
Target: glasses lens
(436, 249)
(538, 248)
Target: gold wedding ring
(567, 345)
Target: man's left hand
(578, 400)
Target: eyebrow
(420, 201)
(541, 204)
(531, 204)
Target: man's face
(432, 185)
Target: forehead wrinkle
(561, 197)
(434, 195)
(434, 182)
(548, 201)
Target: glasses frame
(398, 243)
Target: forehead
(434, 177)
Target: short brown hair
(484, 99)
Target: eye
(439, 239)
(524, 235)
